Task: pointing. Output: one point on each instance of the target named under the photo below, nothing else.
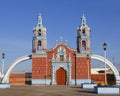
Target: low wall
(85, 85)
(41, 81)
(106, 90)
(80, 81)
(3, 86)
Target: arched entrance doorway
(61, 76)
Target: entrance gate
(61, 76)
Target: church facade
(61, 65)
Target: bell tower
(83, 37)
(39, 54)
(39, 41)
(82, 57)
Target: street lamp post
(75, 71)
(46, 72)
(88, 66)
(3, 57)
(104, 48)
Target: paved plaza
(42, 90)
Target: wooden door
(61, 76)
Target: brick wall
(17, 78)
(39, 68)
(83, 68)
(20, 78)
(100, 79)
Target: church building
(61, 65)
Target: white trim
(41, 81)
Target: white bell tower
(39, 41)
(83, 37)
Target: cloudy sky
(61, 18)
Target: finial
(83, 19)
(83, 15)
(39, 19)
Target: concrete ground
(42, 90)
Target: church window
(83, 45)
(39, 33)
(39, 45)
(83, 33)
(61, 57)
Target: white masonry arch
(114, 69)
(27, 57)
(17, 61)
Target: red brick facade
(42, 65)
(39, 67)
(83, 68)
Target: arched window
(62, 57)
(39, 45)
(83, 45)
(83, 33)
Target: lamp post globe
(3, 55)
(104, 46)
